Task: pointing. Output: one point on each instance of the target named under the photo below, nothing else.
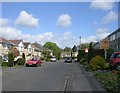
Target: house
(28, 49)
(114, 39)
(97, 45)
(104, 43)
(5, 45)
(19, 45)
(39, 48)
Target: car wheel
(26, 65)
(118, 66)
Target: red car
(33, 62)
(115, 61)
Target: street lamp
(80, 43)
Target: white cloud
(10, 33)
(102, 5)
(64, 20)
(110, 17)
(3, 22)
(62, 40)
(102, 33)
(26, 20)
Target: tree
(74, 49)
(84, 45)
(91, 46)
(11, 59)
(55, 49)
(14, 51)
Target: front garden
(95, 62)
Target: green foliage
(81, 54)
(5, 64)
(74, 49)
(55, 49)
(23, 55)
(97, 62)
(106, 66)
(1, 60)
(21, 61)
(42, 58)
(91, 45)
(93, 52)
(84, 45)
(11, 59)
(109, 81)
(109, 53)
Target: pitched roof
(3, 40)
(26, 44)
(16, 41)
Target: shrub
(5, 64)
(21, 61)
(1, 60)
(97, 62)
(11, 59)
(109, 81)
(106, 66)
(42, 58)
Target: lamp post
(80, 43)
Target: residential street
(51, 76)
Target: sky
(59, 22)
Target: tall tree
(55, 49)
(74, 49)
(84, 45)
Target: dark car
(68, 59)
(115, 61)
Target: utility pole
(80, 43)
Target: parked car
(53, 59)
(115, 61)
(68, 59)
(34, 62)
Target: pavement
(81, 80)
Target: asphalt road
(51, 76)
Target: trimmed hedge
(5, 64)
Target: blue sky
(61, 23)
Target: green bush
(21, 61)
(1, 60)
(109, 81)
(106, 66)
(42, 58)
(5, 64)
(11, 59)
(47, 59)
(97, 62)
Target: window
(118, 34)
(112, 37)
(118, 56)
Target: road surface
(51, 76)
